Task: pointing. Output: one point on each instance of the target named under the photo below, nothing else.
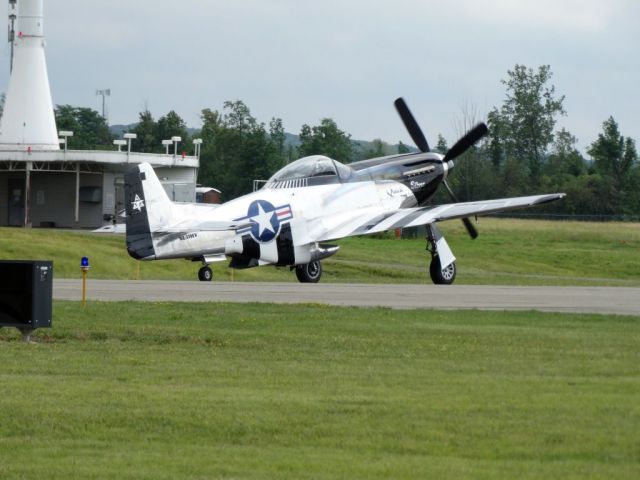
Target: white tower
(28, 120)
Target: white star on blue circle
(262, 215)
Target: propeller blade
(473, 233)
(468, 140)
(411, 125)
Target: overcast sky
(348, 59)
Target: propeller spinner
(462, 145)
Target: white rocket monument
(28, 121)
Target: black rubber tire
(439, 276)
(205, 274)
(310, 272)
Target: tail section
(148, 209)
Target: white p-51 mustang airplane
(307, 203)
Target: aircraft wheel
(440, 276)
(309, 272)
(205, 274)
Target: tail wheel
(309, 272)
(441, 276)
(205, 274)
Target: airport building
(42, 182)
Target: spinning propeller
(462, 145)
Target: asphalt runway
(616, 300)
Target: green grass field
(209, 390)
(511, 252)
(173, 390)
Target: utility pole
(12, 29)
(104, 93)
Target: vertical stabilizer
(148, 210)
(28, 119)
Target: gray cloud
(303, 61)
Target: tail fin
(148, 208)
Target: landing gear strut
(309, 272)
(436, 245)
(205, 274)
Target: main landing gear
(440, 253)
(205, 274)
(439, 275)
(309, 272)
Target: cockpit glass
(315, 166)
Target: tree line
(523, 153)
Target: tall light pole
(104, 93)
(12, 29)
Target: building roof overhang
(106, 157)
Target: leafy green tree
(614, 158)
(90, 129)
(326, 139)
(147, 140)
(281, 153)
(210, 156)
(565, 159)
(373, 149)
(402, 148)
(522, 129)
(585, 194)
(472, 178)
(237, 149)
(172, 125)
(496, 144)
(632, 204)
(441, 145)
(613, 154)
(151, 133)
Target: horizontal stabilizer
(189, 226)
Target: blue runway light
(84, 262)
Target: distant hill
(291, 139)
(118, 130)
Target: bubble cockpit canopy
(317, 168)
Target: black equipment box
(26, 293)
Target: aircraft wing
(371, 222)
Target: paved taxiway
(617, 300)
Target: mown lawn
(508, 252)
(176, 390)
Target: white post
(27, 193)
(77, 193)
(128, 137)
(175, 141)
(198, 144)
